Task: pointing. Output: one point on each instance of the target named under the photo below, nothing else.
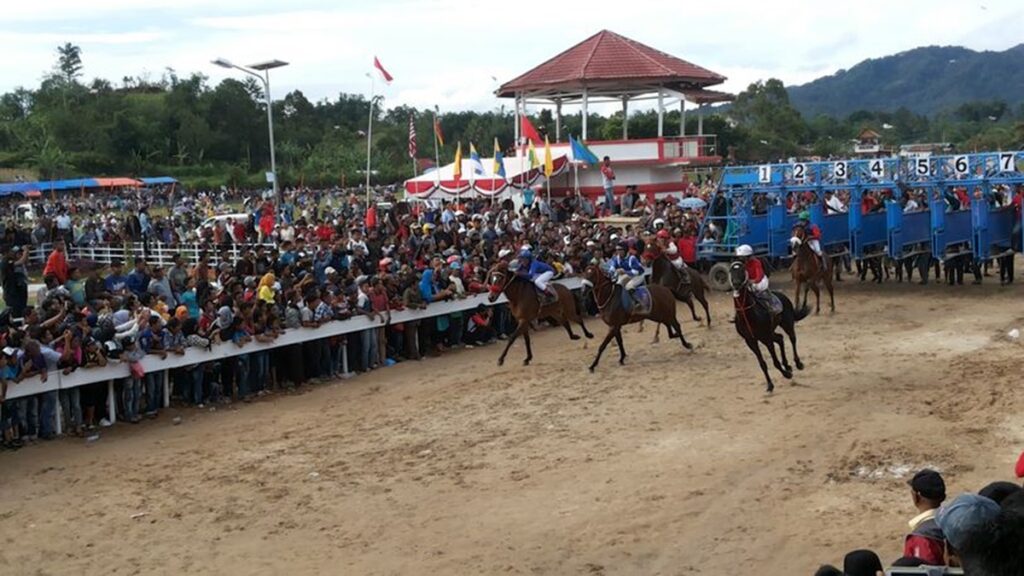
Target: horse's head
(799, 236)
(737, 276)
(499, 277)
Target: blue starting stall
(941, 206)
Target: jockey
(813, 235)
(536, 271)
(668, 246)
(628, 270)
(756, 277)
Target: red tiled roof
(608, 57)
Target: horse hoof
(799, 365)
(588, 335)
(574, 337)
(771, 388)
(501, 362)
(591, 369)
(788, 374)
(526, 362)
(688, 346)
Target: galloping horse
(525, 304)
(608, 297)
(756, 324)
(808, 272)
(663, 273)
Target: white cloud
(445, 52)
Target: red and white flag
(412, 138)
(383, 73)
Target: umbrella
(692, 203)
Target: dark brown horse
(608, 297)
(756, 324)
(664, 273)
(808, 271)
(525, 305)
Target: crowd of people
(324, 257)
(982, 533)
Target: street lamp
(254, 70)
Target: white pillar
(518, 123)
(111, 402)
(700, 120)
(625, 117)
(661, 113)
(682, 117)
(585, 114)
(558, 120)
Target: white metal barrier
(157, 253)
(116, 370)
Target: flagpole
(437, 154)
(369, 141)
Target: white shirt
(835, 205)
(911, 205)
(63, 222)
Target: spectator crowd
(325, 257)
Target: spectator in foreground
(983, 539)
(862, 563)
(925, 541)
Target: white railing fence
(116, 370)
(155, 253)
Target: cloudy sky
(449, 53)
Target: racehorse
(756, 324)
(525, 305)
(663, 273)
(808, 271)
(608, 297)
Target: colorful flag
(412, 138)
(549, 163)
(531, 155)
(458, 163)
(383, 73)
(437, 131)
(474, 158)
(529, 132)
(580, 152)
(499, 160)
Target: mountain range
(925, 80)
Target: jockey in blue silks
(628, 271)
(535, 271)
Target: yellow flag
(532, 156)
(549, 164)
(458, 162)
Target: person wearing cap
(981, 538)
(925, 540)
(812, 235)
(668, 246)
(628, 271)
(537, 271)
(757, 279)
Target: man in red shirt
(608, 183)
(926, 541)
(57, 263)
(758, 280)
(238, 232)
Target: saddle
(639, 303)
(770, 301)
(547, 298)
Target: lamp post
(254, 70)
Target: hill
(925, 80)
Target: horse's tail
(802, 313)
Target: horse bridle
(611, 293)
(507, 277)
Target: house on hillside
(925, 149)
(868, 144)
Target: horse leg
(704, 302)
(775, 358)
(790, 327)
(568, 328)
(529, 349)
(693, 310)
(586, 332)
(831, 296)
(600, 349)
(782, 352)
(622, 348)
(752, 344)
(796, 296)
(679, 330)
(657, 333)
(519, 330)
(817, 297)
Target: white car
(228, 220)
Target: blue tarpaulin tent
(158, 180)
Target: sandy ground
(676, 463)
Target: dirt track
(677, 463)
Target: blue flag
(580, 152)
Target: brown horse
(525, 305)
(664, 273)
(808, 272)
(608, 297)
